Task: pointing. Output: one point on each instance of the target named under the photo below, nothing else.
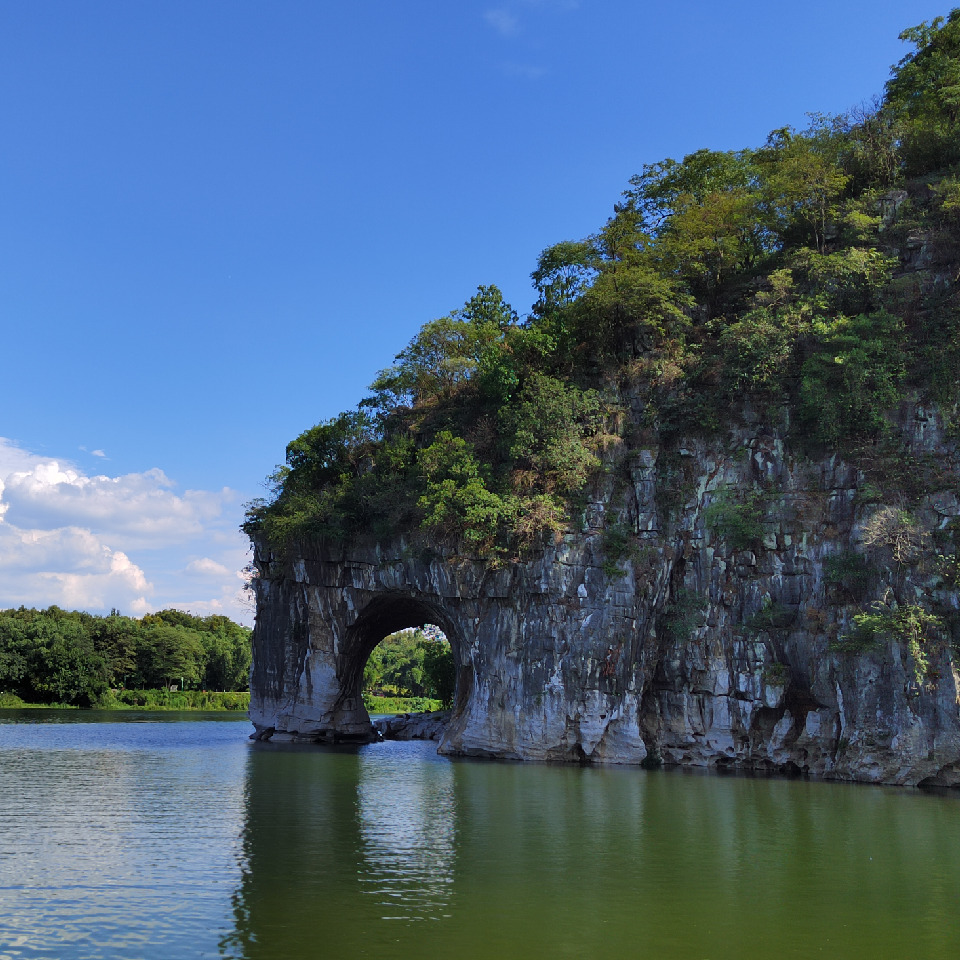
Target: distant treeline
(69, 657)
(411, 665)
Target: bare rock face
(713, 638)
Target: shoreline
(203, 701)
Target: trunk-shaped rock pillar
(310, 648)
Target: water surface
(164, 836)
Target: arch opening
(411, 671)
(387, 616)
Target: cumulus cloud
(14, 458)
(97, 453)
(133, 541)
(71, 567)
(136, 509)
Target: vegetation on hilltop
(777, 277)
(68, 657)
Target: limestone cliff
(698, 615)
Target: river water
(168, 836)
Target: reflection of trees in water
(407, 818)
(297, 851)
(335, 842)
(518, 860)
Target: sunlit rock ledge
(693, 649)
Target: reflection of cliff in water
(407, 819)
(389, 851)
(335, 841)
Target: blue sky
(220, 219)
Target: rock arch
(319, 620)
(566, 655)
(545, 653)
(382, 616)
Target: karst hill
(700, 506)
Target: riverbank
(231, 701)
(208, 700)
(401, 704)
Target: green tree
(330, 450)
(924, 93)
(69, 670)
(411, 664)
(446, 352)
(852, 377)
(550, 428)
(227, 654)
(439, 670)
(48, 656)
(802, 184)
(395, 666)
(169, 654)
(564, 271)
(758, 351)
(705, 218)
(115, 638)
(15, 652)
(457, 504)
(58, 656)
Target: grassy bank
(400, 704)
(175, 700)
(209, 700)
(10, 701)
(147, 700)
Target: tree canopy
(60, 656)
(774, 277)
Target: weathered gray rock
(413, 726)
(694, 652)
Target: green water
(178, 838)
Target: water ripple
(407, 817)
(118, 841)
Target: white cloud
(97, 453)
(87, 591)
(205, 567)
(96, 542)
(231, 579)
(70, 567)
(13, 458)
(503, 21)
(136, 509)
